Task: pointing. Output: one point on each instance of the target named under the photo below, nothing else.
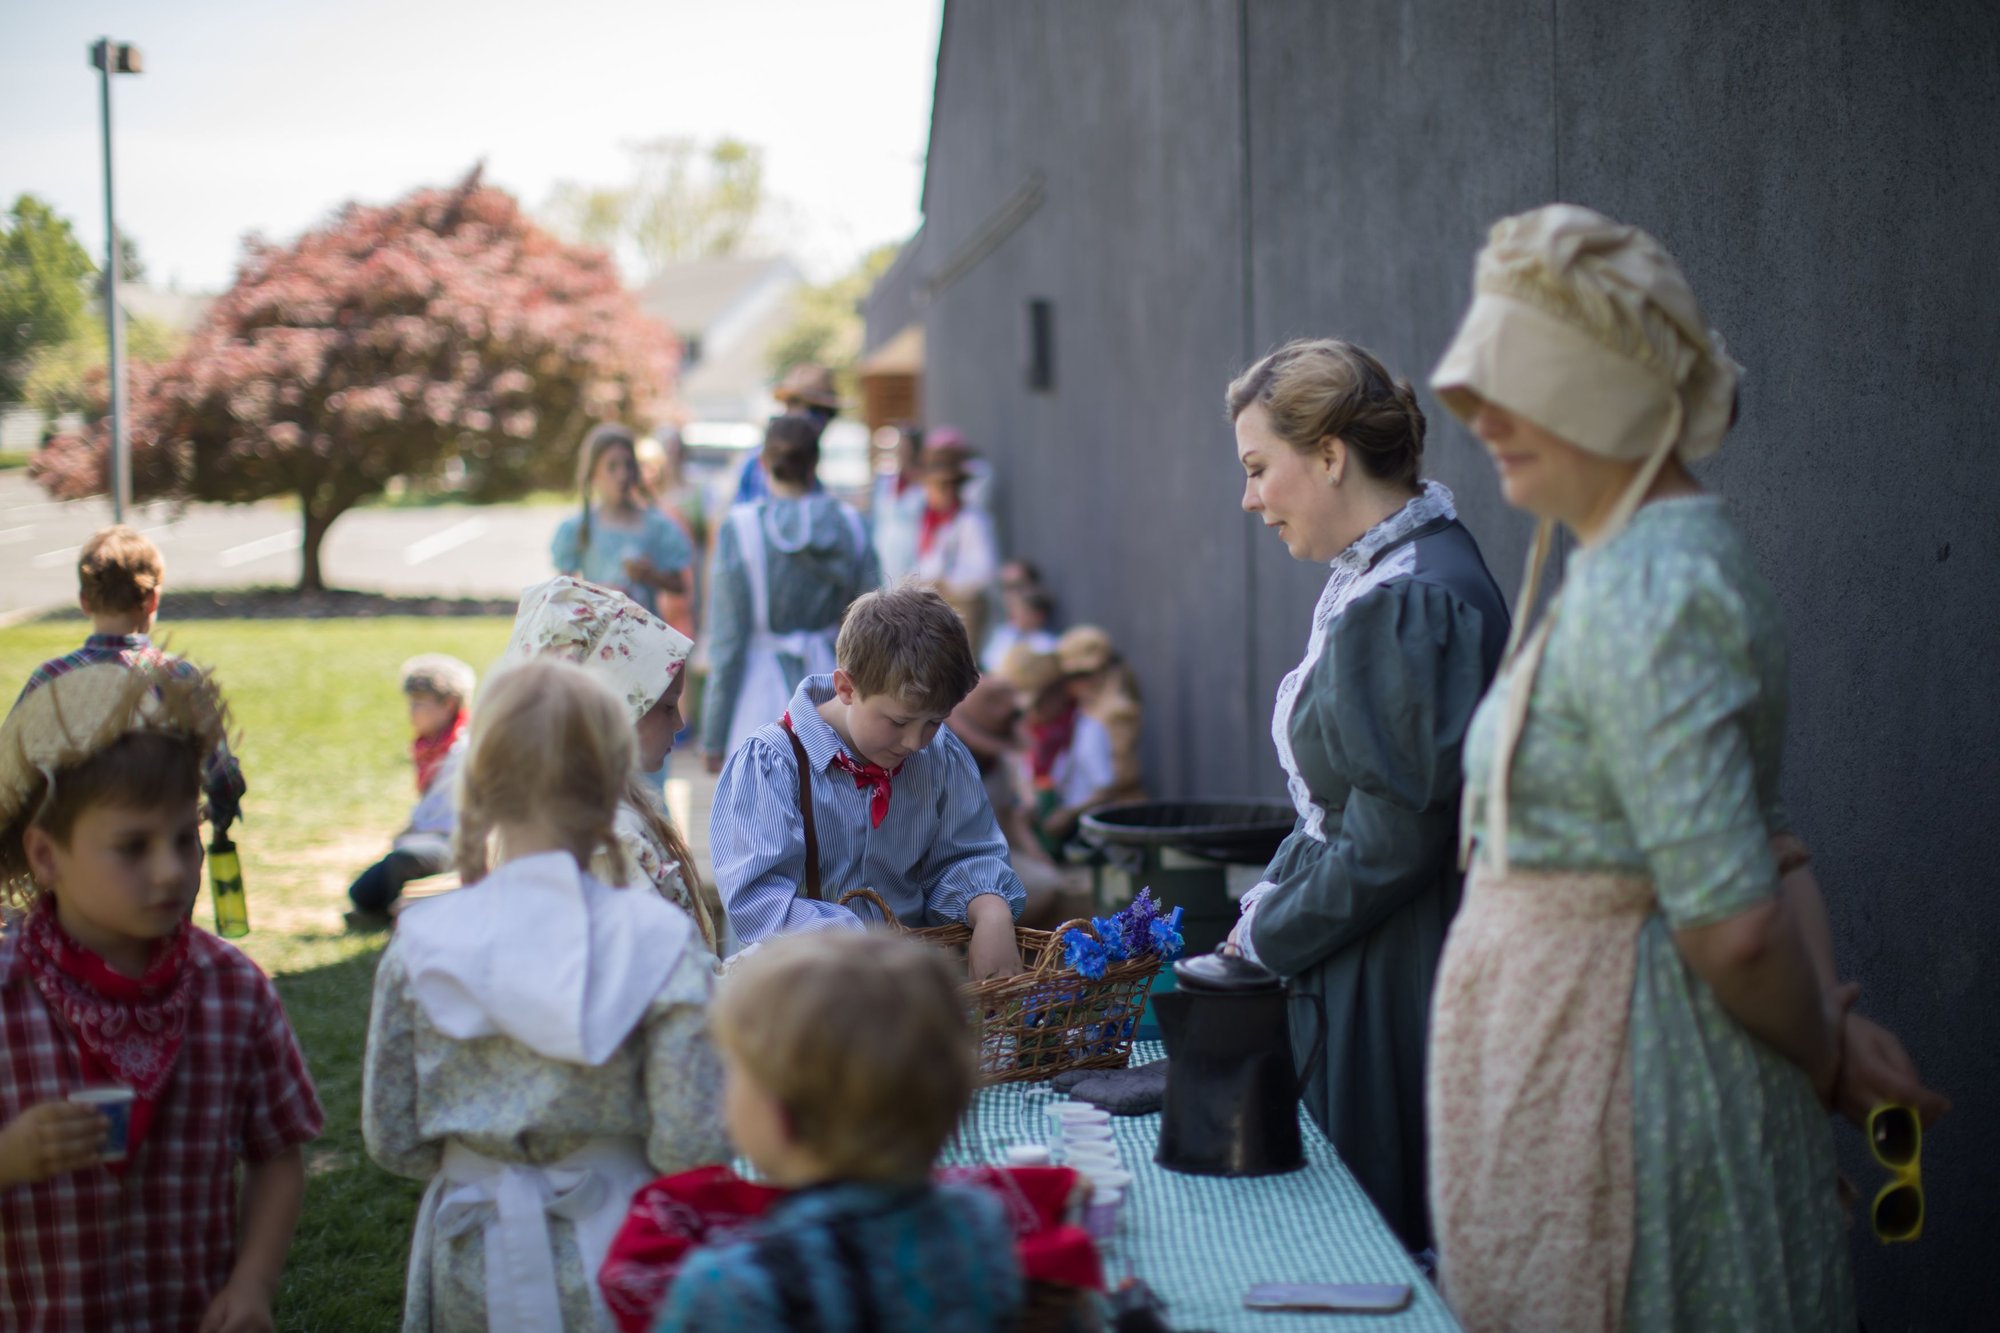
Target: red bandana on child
(428, 752)
(126, 1031)
(934, 522)
(865, 775)
(1048, 742)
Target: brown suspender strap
(812, 885)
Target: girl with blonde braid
(538, 1046)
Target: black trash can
(1183, 850)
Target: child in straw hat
(105, 986)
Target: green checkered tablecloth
(1201, 1242)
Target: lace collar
(1433, 503)
(1352, 572)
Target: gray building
(1128, 200)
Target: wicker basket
(1046, 1020)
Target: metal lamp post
(108, 58)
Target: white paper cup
(1086, 1133)
(1100, 1215)
(1071, 1112)
(115, 1105)
(1028, 1154)
(1095, 1153)
(1108, 1178)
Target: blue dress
(655, 537)
(857, 1258)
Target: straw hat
(810, 384)
(1084, 650)
(1028, 671)
(66, 720)
(948, 458)
(604, 631)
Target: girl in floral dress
(538, 1045)
(643, 659)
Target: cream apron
(767, 687)
(1530, 1099)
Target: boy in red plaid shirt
(105, 984)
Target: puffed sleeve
(1403, 673)
(666, 545)
(729, 628)
(757, 844)
(389, 1076)
(1671, 682)
(969, 857)
(565, 551)
(683, 1071)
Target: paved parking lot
(452, 551)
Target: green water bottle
(225, 886)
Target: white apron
(511, 1204)
(767, 688)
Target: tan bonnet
(1587, 328)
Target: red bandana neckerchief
(873, 776)
(934, 522)
(428, 752)
(127, 1032)
(1048, 742)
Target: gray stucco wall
(1219, 176)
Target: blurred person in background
(1065, 764)
(618, 540)
(1027, 610)
(807, 390)
(663, 475)
(989, 724)
(896, 505)
(956, 552)
(1103, 686)
(438, 691)
(785, 569)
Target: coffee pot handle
(1319, 1032)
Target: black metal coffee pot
(1232, 1105)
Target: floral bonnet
(603, 631)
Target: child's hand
(992, 952)
(242, 1306)
(50, 1140)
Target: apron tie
(511, 1203)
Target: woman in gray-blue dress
(1368, 728)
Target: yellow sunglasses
(1896, 1137)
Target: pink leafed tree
(384, 344)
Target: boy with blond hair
(848, 1059)
(119, 574)
(861, 785)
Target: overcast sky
(259, 116)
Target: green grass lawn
(325, 746)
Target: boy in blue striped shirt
(891, 800)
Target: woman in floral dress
(1637, 1027)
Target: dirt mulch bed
(291, 604)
